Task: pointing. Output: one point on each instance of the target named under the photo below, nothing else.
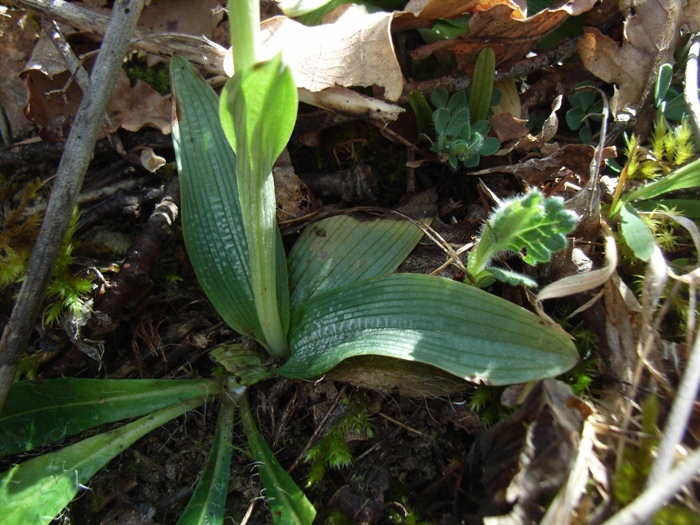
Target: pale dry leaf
(182, 16)
(19, 34)
(652, 32)
(355, 50)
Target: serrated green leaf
(212, 223)
(38, 414)
(288, 503)
(208, 503)
(35, 491)
(528, 223)
(458, 328)
(636, 234)
(342, 250)
(261, 102)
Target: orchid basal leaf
(38, 414)
(260, 103)
(288, 503)
(460, 329)
(208, 503)
(211, 216)
(35, 491)
(342, 250)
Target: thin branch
(71, 173)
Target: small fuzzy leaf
(512, 278)
(637, 234)
(458, 328)
(458, 121)
(457, 102)
(530, 224)
(439, 97)
(441, 118)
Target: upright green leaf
(208, 503)
(211, 216)
(458, 328)
(261, 102)
(288, 503)
(482, 84)
(35, 491)
(687, 176)
(342, 250)
(36, 414)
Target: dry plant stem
(76, 69)
(653, 498)
(69, 179)
(678, 418)
(199, 50)
(691, 86)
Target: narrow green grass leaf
(342, 250)
(637, 234)
(38, 414)
(288, 503)
(687, 176)
(208, 503)
(460, 329)
(35, 491)
(482, 84)
(211, 216)
(260, 103)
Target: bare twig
(69, 179)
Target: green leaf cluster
(586, 107)
(457, 139)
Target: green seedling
(334, 297)
(530, 225)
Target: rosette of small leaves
(458, 140)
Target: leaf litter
(554, 439)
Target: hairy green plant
(334, 297)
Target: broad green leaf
(687, 176)
(530, 223)
(439, 97)
(212, 223)
(482, 84)
(458, 328)
(38, 414)
(261, 102)
(422, 110)
(288, 503)
(35, 491)
(637, 234)
(208, 503)
(342, 250)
